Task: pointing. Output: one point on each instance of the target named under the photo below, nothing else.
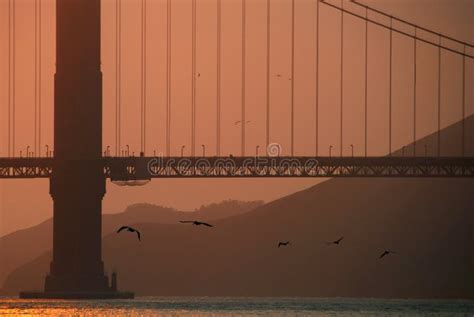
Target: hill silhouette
(25, 245)
(429, 222)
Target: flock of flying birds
(139, 236)
(280, 244)
(337, 242)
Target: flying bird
(283, 243)
(130, 229)
(197, 223)
(238, 122)
(278, 75)
(337, 242)
(386, 252)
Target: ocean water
(206, 306)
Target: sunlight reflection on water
(182, 306)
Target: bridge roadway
(144, 168)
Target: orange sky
(451, 17)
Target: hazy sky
(452, 17)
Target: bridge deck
(143, 168)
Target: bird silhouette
(197, 223)
(278, 75)
(283, 243)
(386, 252)
(130, 229)
(337, 242)
(238, 122)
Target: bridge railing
(142, 169)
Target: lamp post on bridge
(203, 150)
(352, 150)
(256, 150)
(330, 150)
(182, 150)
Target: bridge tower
(77, 185)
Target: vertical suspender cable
(366, 73)
(145, 78)
(390, 92)
(439, 97)
(14, 79)
(168, 85)
(9, 74)
(218, 90)
(316, 136)
(141, 77)
(193, 79)
(342, 78)
(144, 75)
(36, 79)
(116, 77)
(268, 74)
(414, 94)
(464, 101)
(292, 77)
(39, 73)
(243, 76)
(119, 76)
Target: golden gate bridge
(37, 160)
(79, 164)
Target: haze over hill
(429, 222)
(25, 245)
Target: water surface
(207, 306)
